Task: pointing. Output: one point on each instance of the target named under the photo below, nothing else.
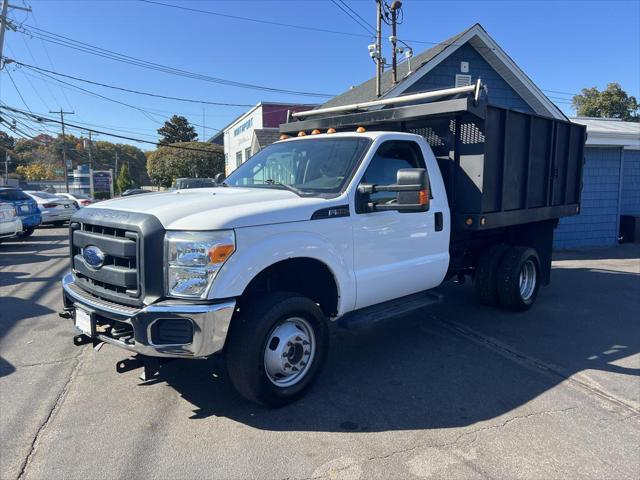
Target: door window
(383, 168)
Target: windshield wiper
(285, 186)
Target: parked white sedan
(53, 208)
(10, 223)
(81, 199)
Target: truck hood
(219, 208)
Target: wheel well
(306, 276)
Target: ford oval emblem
(93, 256)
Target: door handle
(439, 221)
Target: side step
(375, 315)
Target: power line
(102, 52)
(364, 25)
(123, 89)
(255, 20)
(42, 118)
(46, 52)
(17, 90)
(346, 5)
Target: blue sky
(562, 46)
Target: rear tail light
(50, 205)
(84, 203)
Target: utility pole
(7, 157)
(116, 170)
(395, 6)
(4, 23)
(203, 120)
(64, 146)
(378, 47)
(88, 147)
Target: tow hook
(65, 314)
(150, 365)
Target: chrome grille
(118, 278)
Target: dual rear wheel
(508, 277)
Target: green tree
(177, 129)
(124, 181)
(196, 159)
(613, 102)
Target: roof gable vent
(463, 80)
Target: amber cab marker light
(284, 136)
(469, 221)
(301, 133)
(315, 131)
(331, 130)
(424, 197)
(361, 130)
(220, 253)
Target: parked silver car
(53, 208)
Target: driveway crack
(51, 415)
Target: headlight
(192, 260)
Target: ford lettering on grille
(93, 256)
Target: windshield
(13, 195)
(320, 166)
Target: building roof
(266, 136)
(610, 132)
(218, 137)
(425, 61)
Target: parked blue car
(26, 208)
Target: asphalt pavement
(459, 391)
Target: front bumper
(210, 323)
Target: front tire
(276, 348)
(519, 278)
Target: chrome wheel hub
(289, 351)
(528, 279)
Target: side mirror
(412, 187)
(219, 178)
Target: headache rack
(501, 167)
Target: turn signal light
(284, 136)
(331, 130)
(361, 130)
(315, 131)
(424, 197)
(220, 253)
(301, 133)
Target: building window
(247, 153)
(463, 80)
(238, 158)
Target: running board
(375, 315)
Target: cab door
(397, 254)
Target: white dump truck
(354, 217)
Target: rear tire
(28, 232)
(276, 348)
(485, 280)
(518, 278)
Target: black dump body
(501, 167)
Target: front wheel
(276, 348)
